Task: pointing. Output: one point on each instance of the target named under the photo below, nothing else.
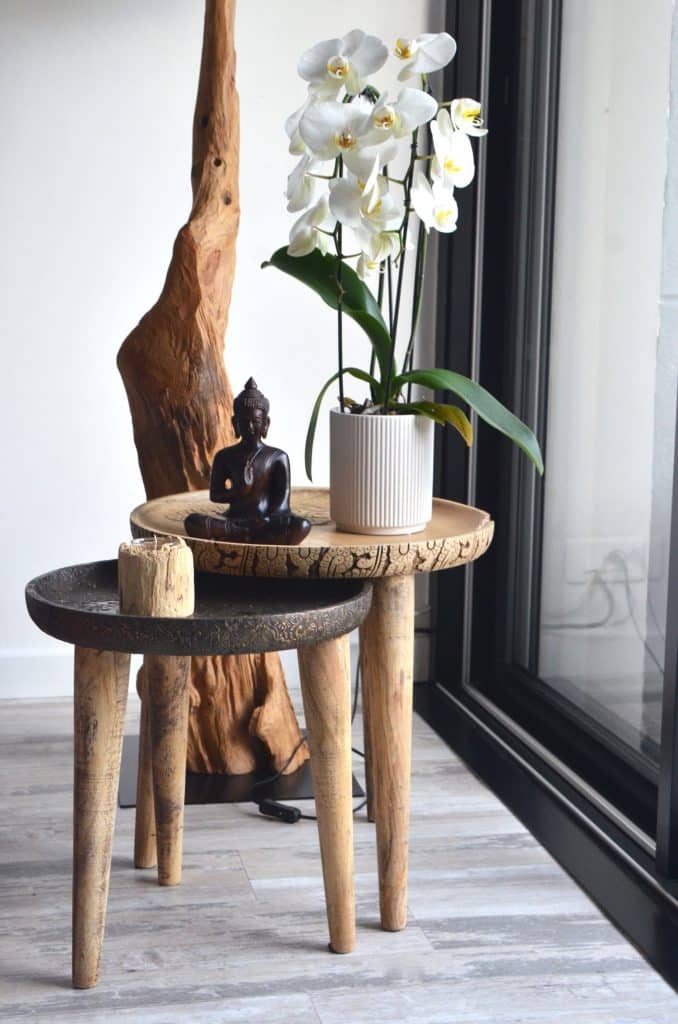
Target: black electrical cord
(276, 776)
(276, 809)
(284, 812)
(619, 558)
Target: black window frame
(494, 298)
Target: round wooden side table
(456, 535)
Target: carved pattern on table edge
(365, 562)
(107, 629)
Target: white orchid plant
(358, 219)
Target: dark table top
(233, 615)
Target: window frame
(493, 323)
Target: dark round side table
(80, 605)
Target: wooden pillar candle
(155, 577)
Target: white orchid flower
(377, 246)
(297, 144)
(366, 267)
(346, 62)
(332, 129)
(425, 54)
(466, 117)
(453, 162)
(367, 204)
(303, 188)
(361, 161)
(434, 204)
(412, 109)
(305, 235)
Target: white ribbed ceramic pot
(381, 472)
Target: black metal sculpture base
(222, 789)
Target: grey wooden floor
(498, 932)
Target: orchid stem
(401, 271)
(340, 292)
(389, 271)
(380, 302)
(340, 326)
(420, 263)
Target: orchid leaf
(487, 407)
(319, 272)
(443, 414)
(310, 433)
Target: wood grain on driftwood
(181, 404)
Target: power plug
(282, 812)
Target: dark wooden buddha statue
(253, 479)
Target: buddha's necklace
(248, 472)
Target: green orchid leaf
(310, 433)
(487, 407)
(450, 415)
(319, 272)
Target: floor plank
(498, 932)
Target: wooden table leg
(387, 659)
(145, 854)
(325, 671)
(167, 697)
(101, 683)
(365, 708)
(155, 578)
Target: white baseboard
(31, 674)
(40, 675)
(291, 669)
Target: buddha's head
(250, 413)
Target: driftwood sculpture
(181, 404)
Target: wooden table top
(457, 534)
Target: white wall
(95, 122)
